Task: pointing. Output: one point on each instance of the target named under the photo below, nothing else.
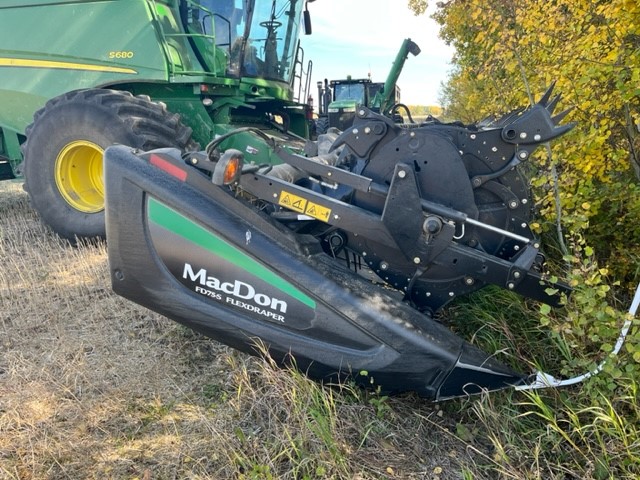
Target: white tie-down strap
(544, 380)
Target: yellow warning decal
(292, 202)
(318, 211)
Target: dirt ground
(93, 386)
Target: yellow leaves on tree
(418, 6)
(509, 51)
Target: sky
(355, 37)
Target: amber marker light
(229, 168)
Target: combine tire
(64, 147)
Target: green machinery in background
(338, 99)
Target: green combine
(144, 73)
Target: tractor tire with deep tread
(322, 125)
(63, 152)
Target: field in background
(93, 386)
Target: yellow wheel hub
(79, 178)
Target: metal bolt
(523, 135)
(494, 149)
(336, 217)
(384, 265)
(402, 174)
(537, 137)
(477, 182)
(523, 225)
(513, 204)
(524, 201)
(412, 134)
(367, 130)
(516, 247)
(536, 245)
(451, 294)
(432, 225)
(428, 294)
(516, 275)
(361, 113)
(522, 155)
(469, 281)
(511, 285)
(416, 260)
(354, 131)
(472, 136)
(275, 195)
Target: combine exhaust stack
(339, 258)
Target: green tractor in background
(338, 99)
(144, 73)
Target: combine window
(223, 20)
(271, 39)
(350, 91)
(259, 38)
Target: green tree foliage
(587, 187)
(508, 52)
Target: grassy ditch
(93, 386)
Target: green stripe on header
(166, 217)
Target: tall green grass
(586, 431)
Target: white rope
(544, 380)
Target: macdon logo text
(236, 288)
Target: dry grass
(93, 386)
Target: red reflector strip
(166, 166)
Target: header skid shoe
(189, 250)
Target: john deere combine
(144, 73)
(335, 252)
